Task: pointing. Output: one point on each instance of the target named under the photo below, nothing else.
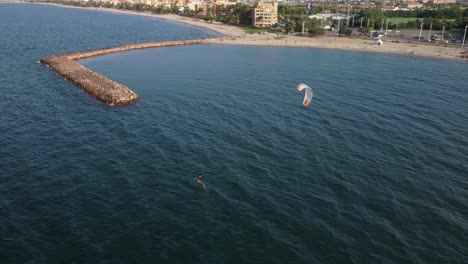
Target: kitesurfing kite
(308, 93)
(199, 180)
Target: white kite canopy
(308, 93)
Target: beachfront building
(325, 15)
(410, 6)
(213, 8)
(264, 14)
(195, 5)
(166, 3)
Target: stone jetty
(98, 86)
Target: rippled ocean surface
(373, 171)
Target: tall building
(264, 14)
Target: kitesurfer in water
(200, 181)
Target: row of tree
(450, 12)
(450, 16)
(238, 14)
(457, 19)
(436, 24)
(443, 12)
(311, 26)
(296, 17)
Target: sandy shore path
(237, 36)
(343, 43)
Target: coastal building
(195, 5)
(222, 7)
(213, 8)
(326, 14)
(264, 14)
(410, 6)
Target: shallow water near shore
(374, 171)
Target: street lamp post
(464, 35)
(347, 17)
(386, 29)
(420, 32)
(361, 21)
(430, 31)
(284, 7)
(337, 8)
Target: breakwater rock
(98, 86)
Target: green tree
(174, 9)
(314, 28)
(243, 13)
(345, 31)
(289, 27)
(376, 16)
(298, 25)
(365, 30)
(209, 18)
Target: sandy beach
(344, 43)
(236, 36)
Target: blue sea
(375, 170)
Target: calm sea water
(374, 171)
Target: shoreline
(352, 45)
(113, 93)
(234, 35)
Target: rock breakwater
(98, 86)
